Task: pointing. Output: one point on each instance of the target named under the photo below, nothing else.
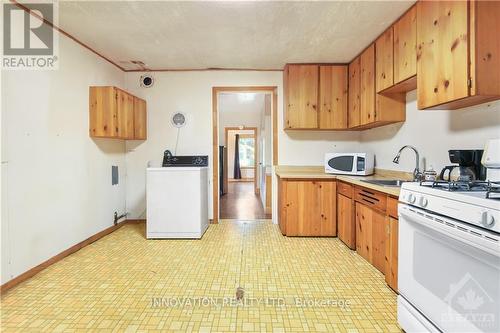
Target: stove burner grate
(492, 189)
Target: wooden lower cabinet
(370, 235)
(391, 252)
(346, 223)
(307, 207)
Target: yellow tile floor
(125, 283)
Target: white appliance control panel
(470, 207)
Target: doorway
(245, 149)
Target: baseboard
(35, 270)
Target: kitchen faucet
(417, 175)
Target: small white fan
(178, 119)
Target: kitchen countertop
(318, 172)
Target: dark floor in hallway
(240, 202)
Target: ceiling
(223, 34)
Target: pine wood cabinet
(114, 113)
(371, 109)
(125, 111)
(315, 97)
(354, 106)
(458, 53)
(405, 49)
(370, 235)
(333, 88)
(391, 252)
(140, 119)
(307, 207)
(346, 223)
(301, 84)
(367, 84)
(384, 60)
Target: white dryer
(177, 202)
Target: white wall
(433, 133)
(56, 188)
(191, 92)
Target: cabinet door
(442, 53)
(354, 107)
(302, 206)
(370, 235)
(405, 46)
(301, 84)
(384, 60)
(367, 96)
(333, 97)
(346, 222)
(140, 119)
(328, 207)
(364, 232)
(378, 240)
(282, 205)
(103, 120)
(125, 110)
(391, 252)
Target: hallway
(240, 202)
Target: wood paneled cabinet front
(114, 113)
(333, 88)
(301, 84)
(458, 53)
(307, 207)
(370, 235)
(371, 109)
(391, 252)
(315, 97)
(346, 223)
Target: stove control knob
(411, 198)
(487, 220)
(423, 201)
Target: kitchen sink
(385, 182)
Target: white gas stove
(462, 201)
(449, 257)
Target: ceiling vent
(147, 81)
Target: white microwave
(359, 164)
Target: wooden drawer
(344, 189)
(392, 207)
(371, 198)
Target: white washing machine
(177, 202)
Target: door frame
(215, 133)
(255, 151)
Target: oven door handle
(448, 228)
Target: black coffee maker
(469, 166)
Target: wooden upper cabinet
(125, 110)
(103, 119)
(140, 119)
(458, 53)
(367, 94)
(354, 107)
(114, 113)
(301, 96)
(405, 47)
(333, 97)
(384, 60)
